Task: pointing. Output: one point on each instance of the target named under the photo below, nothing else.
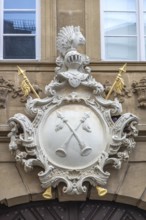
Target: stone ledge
(99, 66)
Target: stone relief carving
(4, 89)
(139, 88)
(74, 132)
(6, 86)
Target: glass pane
(120, 48)
(144, 23)
(145, 46)
(144, 5)
(19, 22)
(119, 5)
(19, 47)
(19, 4)
(121, 23)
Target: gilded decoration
(8, 87)
(74, 132)
(121, 96)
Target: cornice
(100, 66)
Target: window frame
(141, 53)
(37, 34)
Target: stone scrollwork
(74, 132)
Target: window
(19, 37)
(124, 29)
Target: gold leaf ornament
(25, 88)
(101, 191)
(119, 85)
(48, 193)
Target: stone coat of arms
(74, 132)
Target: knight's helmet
(73, 59)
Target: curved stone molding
(74, 132)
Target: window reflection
(144, 23)
(120, 5)
(19, 25)
(120, 23)
(19, 22)
(122, 48)
(19, 4)
(144, 5)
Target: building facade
(115, 34)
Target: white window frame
(37, 34)
(140, 32)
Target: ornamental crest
(74, 132)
